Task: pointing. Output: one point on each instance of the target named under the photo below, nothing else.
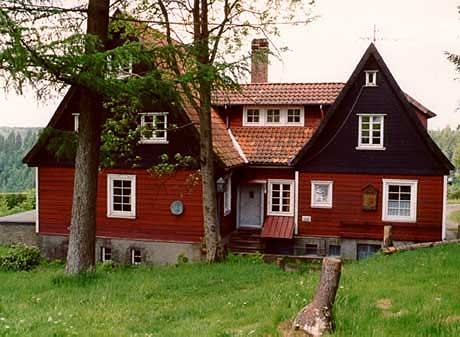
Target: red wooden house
(309, 169)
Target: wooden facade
(153, 220)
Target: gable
(408, 149)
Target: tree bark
(214, 249)
(315, 319)
(387, 236)
(82, 236)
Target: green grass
(453, 201)
(407, 294)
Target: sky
(412, 37)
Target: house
(309, 169)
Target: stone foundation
(11, 233)
(152, 252)
(348, 249)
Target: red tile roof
(281, 227)
(280, 94)
(271, 145)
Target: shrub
(20, 257)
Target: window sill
(121, 216)
(370, 148)
(227, 212)
(407, 220)
(321, 206)
(152, 141)
(279, 214)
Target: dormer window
(371, 78)
(273, 116)
(121, 70)
(253, 116)
(76, 121)
(154, 127)
(370, 132)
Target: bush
(20, 257)
(454, 194)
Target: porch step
(246, 241)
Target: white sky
(415, 34)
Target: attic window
(76, 121)
(274, 116)
(121, 69)
(154, 128)
(371, 78)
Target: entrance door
(250, 205)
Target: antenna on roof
(374, 38)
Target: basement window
(371, 78)
(136, 256)
(311, 249)
(334, 250)
(154, 128)
(106, 254)
(121, 196)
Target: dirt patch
(452, 319)
(384, 304)
(286, 329)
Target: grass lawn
(407, 294)
(455, 216)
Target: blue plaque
(177, 207)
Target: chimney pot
(259, 61)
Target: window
(136, 256)
(293, 116)
(370, 131)
(253, 116)
(76, 121)
(321, 194)
(366, 250)
(154, 127)
(106, 254)
(228, 196)
(121, 69)
(311, 249)
(399, 200)
(121, 196)
(371, 78)
(281, 197)
(273, 116)
(334, 250)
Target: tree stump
(387, 236)
(315, 319)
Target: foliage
(167, 166)
(11, 203)
(20, 258)
(14, 144)
(455, 217)
(408, 294)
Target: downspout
(296, 202)
(37, 203)
(444, 207)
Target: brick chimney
(259, 61)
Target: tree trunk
(387, 236)
(214, 249)
(82, 236)
(315, 319)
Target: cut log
(414, 246)
(315, 319)
(387, 236)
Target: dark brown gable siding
(406, 151)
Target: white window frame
(111, 213)
(103, 259)
(362, 146)
(289, 182)
(263, 114)
(133, 255)
(328, 202)
(371, 78)
(228, 196)
(154, 139)
(122, 72)
(413, 200)
(76, 121)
